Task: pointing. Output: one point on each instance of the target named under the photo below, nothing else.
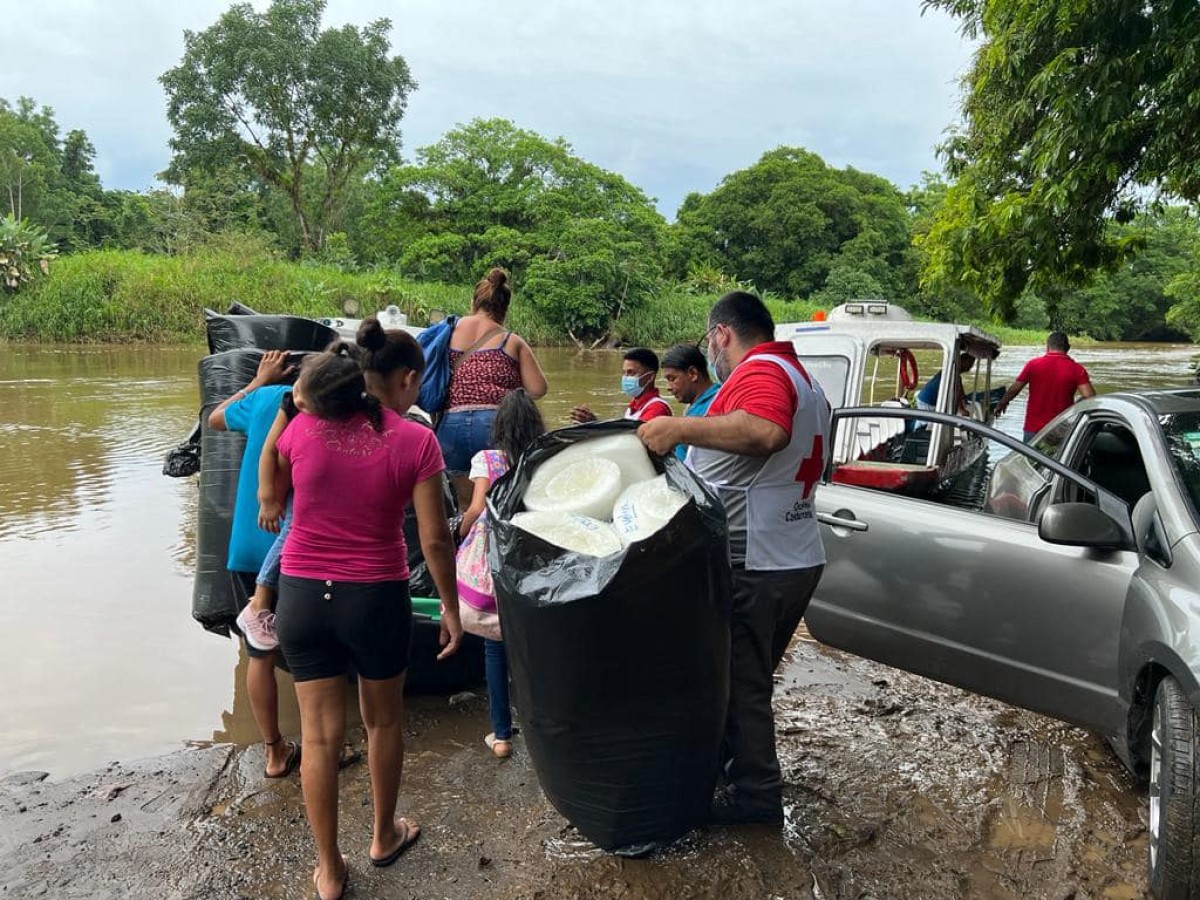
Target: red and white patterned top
(483, 378)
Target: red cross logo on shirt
(812, 466)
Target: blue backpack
(435, 382)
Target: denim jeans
(462, 434)
(268, 573)
(495, 663)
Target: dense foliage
(1078, 113)
(301, 110)
(25, 254)
(1059, 205)
(792, 225)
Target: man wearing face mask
(761, 447)
(639, 370)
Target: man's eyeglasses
(702, 344)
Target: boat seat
(1115, 463)
(871, 433)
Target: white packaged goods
(582, 534)
(644, 508)
(584, 487)
(623, 449)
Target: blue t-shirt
(252, 416)
(697, 407)
(929, 393)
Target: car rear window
(1182, 431)
(831, 373)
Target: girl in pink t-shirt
(353, 466)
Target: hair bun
(497, 277)
(371, 335)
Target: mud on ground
(897, 787)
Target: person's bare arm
(1086, 390)
(737, 432)
(438, 546)
(478, 504)
(272, 369)
(270, 500)
(1013, 389)
(533, 379)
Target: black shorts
(327, 627)
(243, 589)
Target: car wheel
(1174, 800)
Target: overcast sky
(672, 94)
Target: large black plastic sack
(620, 664)
(239, 331)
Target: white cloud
(671, 94)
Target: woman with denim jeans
(487, 363)
(518, 423)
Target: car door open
(945, 587)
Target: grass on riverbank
(127, 296)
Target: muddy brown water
(896, 786)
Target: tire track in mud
(903, 787)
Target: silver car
(1068, 583)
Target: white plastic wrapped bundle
(582, 534)
(623, 449)
(584, 487)
(644, 508)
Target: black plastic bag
(620, 664)
(184, 459)
(240, 331)
(213, 602)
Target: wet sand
(895, 787)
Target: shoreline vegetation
(127, 296)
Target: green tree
(1076, 114)
(287, 101)
(1132, 301)
(788, 221)
(585, 244)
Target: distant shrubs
(25, 253)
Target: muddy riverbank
(896, 787)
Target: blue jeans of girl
(495, 664)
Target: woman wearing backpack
(487, 363)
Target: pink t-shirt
(351, 486)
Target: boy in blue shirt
(251, 411)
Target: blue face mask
(631, 386)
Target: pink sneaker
(258, 629)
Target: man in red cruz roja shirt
(762, 448)
(639, 371)
(1053, 379)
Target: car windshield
(1182, 431)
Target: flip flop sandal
(345, 886)
(289, 764)
(412, 834)
(350, 756)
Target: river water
(99, 656)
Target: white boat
(867, 353)
(390, 318)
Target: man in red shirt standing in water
(762, 448)
(1053, 379)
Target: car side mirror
(1080, 525)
